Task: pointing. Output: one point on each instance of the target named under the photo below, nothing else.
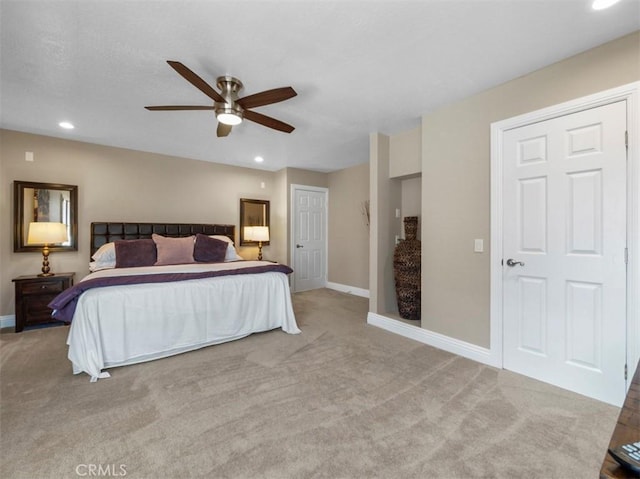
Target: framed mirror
(253, 213)
(44, 202)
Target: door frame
(292, 242)
(631, 94)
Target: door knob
(299, 246)
(512, 263)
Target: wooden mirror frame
(247, 208)
(19, 234)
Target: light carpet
(341, 400)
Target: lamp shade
(260, 233)
(47, 233)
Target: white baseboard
(437, 340)
(8, 321)
(343, 288)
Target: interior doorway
(309, 237)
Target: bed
(130, 314)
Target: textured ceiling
(358, 67)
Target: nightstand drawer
(42, 287)
(36, 309)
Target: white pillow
(231, 253)
(95, 266)
(106, 252)
(104, 258)
(222, 238)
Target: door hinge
(625, 372)
(626, 139)
(626, 256)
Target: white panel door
(309, 238)
(565, 236)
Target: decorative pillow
(173, 250)
(231, 254)
(209, 250)
(134, 253)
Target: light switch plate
(478, 245)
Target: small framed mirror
(253, 213)
(44, 202)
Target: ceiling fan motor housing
(229, 89)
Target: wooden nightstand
(33, 293)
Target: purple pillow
(134, 253)
(173, 250)
(209, 250)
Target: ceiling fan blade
(267, 121)
(196, 81)
(178, 107)
(223, 130)
(267, 97)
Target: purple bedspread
(64, 305)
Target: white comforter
(121, 325)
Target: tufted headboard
(102, 233)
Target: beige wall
(456, 180)
(405, 153)
(411, 201)
(385, 197)
(296, 176)
(120, 185)
(280, 217)
(348, 232)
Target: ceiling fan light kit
(229, 109)
(230, 118)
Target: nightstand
(33, 293)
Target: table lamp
(46, 234)
(259, 234)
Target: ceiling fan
(229, 109)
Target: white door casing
(309, 237)
(564, 300)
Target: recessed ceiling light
(66, 125)
(258, 159)
(602, 4)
